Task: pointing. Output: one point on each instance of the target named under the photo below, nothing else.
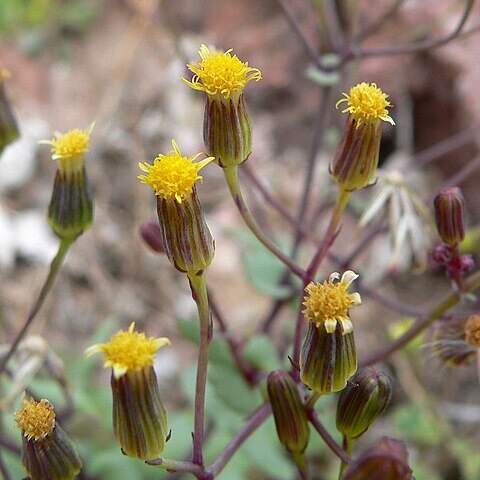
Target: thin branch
(377, 24)
(327, 438)
(255, 420)
(463, 174)
(177, 466)
(312, 51)
(334, 25)
(249, 372)
(420, 46)
(470, 285)
(448, 145)
(392, 304)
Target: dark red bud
(150, 232)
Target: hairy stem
(54, 268)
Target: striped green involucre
(139, 417)
(8, 125)
(288, 411)
(361, 402)
(71, 207)
(227, 133)
(186, 238)
(356, 158)
(327, 360)
(53, 457)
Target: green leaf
(188, 329)
(261, 352)
(414, 425)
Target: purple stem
(255, 420)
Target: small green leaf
(261, 352)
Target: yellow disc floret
(35, 419)
(329, 302)
(220, 74)
(129, 351)
(472, 331)
(172, 175)
(367, 104)
(69, 145)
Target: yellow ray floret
(221, 74)
(367, 104)
(172, 175)
(70, 145)
(35, 419)
(128, 351)
(329, 302)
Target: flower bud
(450, 215)
(362, 401)
(70, 211)
(289, 412)
(152, 236)
(47, 450)
(226, 125)
(386, 460)
(8, 125)
(186, 238)
(450, 345)
(356, 158)
(139, 418)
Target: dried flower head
(367, 104)
(329, 302)
(221, 74)
(35, 419)
(472, 331)
(129, 351)
(173, 175)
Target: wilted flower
(356, 158)
(449, 342)
(139, 418)
(186, 238)
(472, 331)
(48, 452)
(328, 357)
(409, 220)
(71, 207)
(226, 128)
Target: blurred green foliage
(38, 24)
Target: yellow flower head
(367, 104)
(70, 145)
(220, 74)
(472, 331)
(128, 351)
(329, 302)
(35, 419)
(4, 74)
(172, 175)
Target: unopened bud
(386, 460)
(152, 236)
(8, 125)
(450, 215)
(288, 412)
(362, 401)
